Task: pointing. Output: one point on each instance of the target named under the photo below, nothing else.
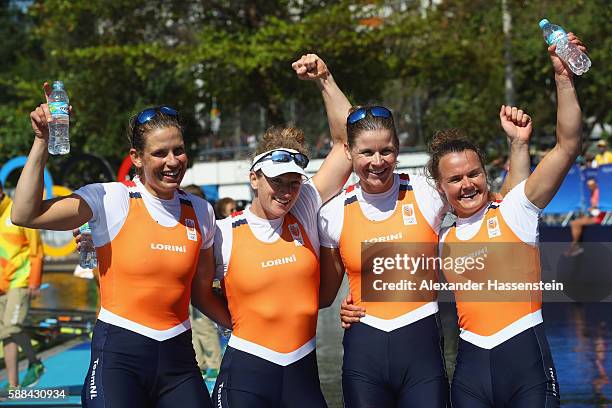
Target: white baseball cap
(273, 168)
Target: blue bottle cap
(58, 85)
(544, 22)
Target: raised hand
(560, 68)
(41, 116)
(516, 123)
(349, 313)
(310, 67)
(39, 119)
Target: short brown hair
(195, 190)
(449, 141)
(221, 204)
(136, 132)
(278, 137)
(369, 122)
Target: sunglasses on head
(149, 113)
(376, 111)
(283, 156)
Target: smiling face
(274, 196)
(463, 181)
(374, 157)
(162, 162)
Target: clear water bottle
(87, 254)
(577, 60)
(59, 143)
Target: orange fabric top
(272, 289)
(147, 269)
(508, 259)
(406, 224)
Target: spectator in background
(323, 145)
(205, 337)
(603, 156)
(589, 160)
(594, 216)
(497, 171)
(21, 260)
(224, 207)
(195, 190)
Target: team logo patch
(191, 230)
(296, 233)
(408, 214)
(493, 227)
(8, 222)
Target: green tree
(449, 62)
(437, 66)
(20, 53)
(186, 53)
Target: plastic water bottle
(577, 60)
(59, 143)
(87, 254)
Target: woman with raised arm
(268, 259)
(154, 248)
(381, 367)
(503, 357)
(378, 367)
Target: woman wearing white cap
(268, 259)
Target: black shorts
(246, 380)
(519, 373)
(401, 368)
(128, 369)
